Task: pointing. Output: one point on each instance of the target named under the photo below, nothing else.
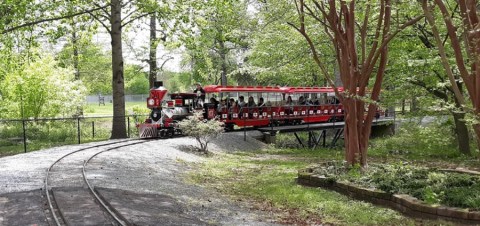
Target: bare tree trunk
(118, 88)
(223, 56)
(461, 130)
(76, 67)
(75, 53)
(152, 61)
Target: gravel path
(153, 167)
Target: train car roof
(313, 89)
(266, 89)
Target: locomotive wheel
(156, 114)
(161, 133)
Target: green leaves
(202, 131)
(41, 89)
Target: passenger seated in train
(251, 105)
(200, 99)
(289, 104)
(301, 101)
(230, 103)
(289, 101)
(233, 109)
(222, 106)
(241, 101)
(214, 102)
(260, 102)
(251, 102)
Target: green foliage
(136, 81)
(41, 89)
(95, 66)
(418, 141)
(203, 132)
(46, 134)
(430, 185)
(265, 179)
(218, 46)
(279, 54)
(178, 82)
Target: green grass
(266, 179)
(41, 135)
(93, 109)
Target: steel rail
(95, 194)
(49, 199)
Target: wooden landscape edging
(404, 203)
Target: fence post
(93, 129)
(128, 126)
(78, 129)
(24, 136)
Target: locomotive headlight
(151, 101)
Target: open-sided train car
(271, 105)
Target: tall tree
(217, 48)
(359, 56)
(152, 60)
(464, 40)
(434, 82)
(113, 21)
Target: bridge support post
(383, 130)
(270, 137)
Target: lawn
(265, 179)
(93, 109)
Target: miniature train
(242, 106)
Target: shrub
(430, 185)
(203, 132)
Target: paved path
(144, 181)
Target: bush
(41, 89)
(417, 141)
(430, 185)
(203, 132)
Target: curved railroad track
(78, 202)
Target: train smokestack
(157, 84)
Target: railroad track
(78, 203)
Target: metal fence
(22, 135)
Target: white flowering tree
(203, 132)
(41, 89)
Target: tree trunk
(75, 53)
(118, 88)
(152, 61)
(462, 133)
(223, 56)
(413, 105)
(76, 63)
(352, 133)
